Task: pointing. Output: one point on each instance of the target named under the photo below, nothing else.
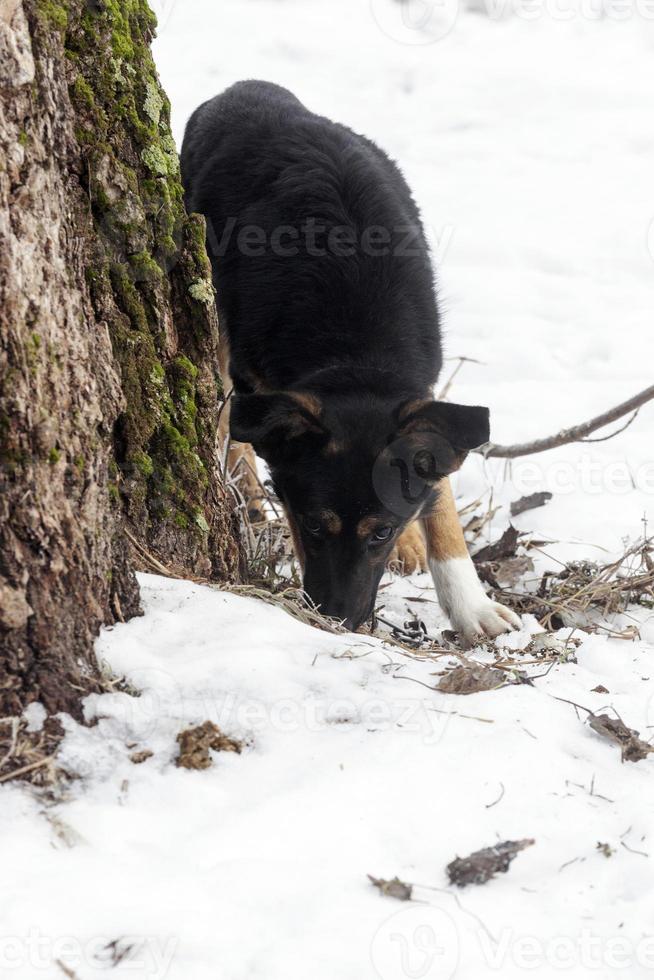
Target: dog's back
(319, 255)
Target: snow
(528, 144)
(258, 866)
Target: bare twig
(495, 802)
(633, 850)
(147, 556)
(577, 433)
(617, 432)
(442, 395)
(25, 769)
(66, 970)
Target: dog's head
(352, 472)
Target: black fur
(325, 286)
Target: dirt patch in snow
(196, 745)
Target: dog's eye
(312, 525)
(383, 533)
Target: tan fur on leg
(241, 461)
(242, 464)
(409, 554)
(461, 595)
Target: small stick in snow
(577, 433)
(404, 891)
(444, 392)
(571, 861)
(632, 850)
(495, 802)
(67, 970)
(25, 769)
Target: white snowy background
(527, 137)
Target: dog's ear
(441, 434)
(277, 424)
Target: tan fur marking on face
(332, 521)
(367, 525)
(333, 447)
(260, 386)
(308, 402)
(414, 406)
(443, 531)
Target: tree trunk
(109, 384)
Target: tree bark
(109, 383)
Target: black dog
(326, 294)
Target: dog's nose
(349, 622)
(338, 610)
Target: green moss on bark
(151, 257)
(55, 14)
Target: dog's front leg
(461, 595)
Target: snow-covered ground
(528, 140)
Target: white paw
(472, 614)
(484, 620)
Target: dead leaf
(477, 523)
(470, 679)
(600, 689)
(633, 748)
(605, 849)
(530, 502)
(138, 757)
(195, 745)
(394, 888)
(504, 548)
(483, 865)
(505, 574)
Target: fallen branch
(577, 433)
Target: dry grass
(582, 593)
(29, 756)
(270, 559)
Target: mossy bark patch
(150, 281)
